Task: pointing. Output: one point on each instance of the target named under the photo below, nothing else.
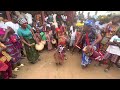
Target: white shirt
(114, 49)
(29, 18)
(2, 25)
(15, 27)
(95, 16)
(56, 24)
(54, 17)
(100, 26)
(73, 35)
(71, 28)
(46, 18)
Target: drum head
(39, 47)
(53, 41)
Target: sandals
(16, 69)
(39, 59)
(60, 64)
(106, 70)
(97, 65)
(57, 64)
(83, 67)
(21, 65)
(13, 76)
(65, 58)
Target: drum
(39, 46)
(93, 54)
(43, 42)
(53, 41)
(88, 51)
(97, 56)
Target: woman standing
(111, 29)
(4, 38)
(48, 36)
(27, 36)
(12, 48)
(91, 37)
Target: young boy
(113, 50)
(72, 37)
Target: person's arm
(99, 38)
(115, 43)
(22, 39)
(5, 36)
(29, 27)
(39, 36)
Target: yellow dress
(79, 24)
(5, 56)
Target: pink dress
(49, 41)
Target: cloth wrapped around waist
(92, 53)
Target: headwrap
(102, 18)
(22, 20)
(89, 23)
(10, 24)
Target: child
(59, 55)
(77, 40)
(38, 37)
(54, 35)
(72, 37)
(113, 50)
(48, 36)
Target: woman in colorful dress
(113, 50)
(8, 60)
(13, 47)
(91, 37)
(48, 36)
(77, 44)
(28, 37)
(54, 35)
(110, 30)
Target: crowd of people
(95, 38)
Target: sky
(93, 12)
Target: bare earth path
(46, 69)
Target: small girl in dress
(48, 36)
(113, 50)
(60, 55)
(38, 37)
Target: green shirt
(43, 36)
(25, 33)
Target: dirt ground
(47, 69)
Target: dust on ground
(71, 69)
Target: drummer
(26, 33)
(91, 37)
(38, 36)
(48, 36)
